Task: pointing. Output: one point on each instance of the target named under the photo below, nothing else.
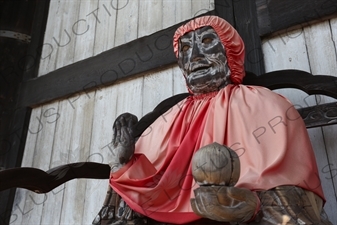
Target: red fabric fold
(263, 128)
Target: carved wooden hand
(223, 203)
(123, 141)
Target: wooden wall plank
(74, 193)
(99, 151)
(183, 11)
(168, 13)
(84, 30)
(179, 84)
(127, 21)
(150, 17)
(27, 161)
(64, 41)
(105, 27)
(200, 7)
(157, 87)
(48, 56)
(41, 159)
(62, 136)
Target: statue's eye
(207, 40)
(185, 48)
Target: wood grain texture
(62, 137)
(105, 27)
(126, 22)
(21, 194)
(41, 159)
(103, 118)
(72, 211)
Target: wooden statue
(225, 153)
(217, 136)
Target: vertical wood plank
(21, 195)
(286, 50)
(64, 40)
(48, 56)
(74, 193)
(62, 137)
(179, 84)
(105, 27)
(126, 22)
(168, 13)
(129, 97)
(41, 159)
(103, 119)
(199, 7)
(157, 87)
(183, 10)
(150, 17)
(84, 30)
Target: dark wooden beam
(252, 19)
(275, 15)
(125, 61)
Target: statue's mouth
(200, 67)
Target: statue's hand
(225, 204)
(123, 142)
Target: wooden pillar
(243, 16)
(22, 26)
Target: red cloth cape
(263, 128)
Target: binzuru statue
(228, 152)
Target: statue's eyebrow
(185, 39)
(206, 31)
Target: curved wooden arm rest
(42, 182)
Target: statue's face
(203, 60)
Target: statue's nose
(196, 53)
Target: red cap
(234, 46)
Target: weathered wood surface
(310, 50)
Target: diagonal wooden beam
(252, 19)
(125, 61)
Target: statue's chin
(207, 87)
